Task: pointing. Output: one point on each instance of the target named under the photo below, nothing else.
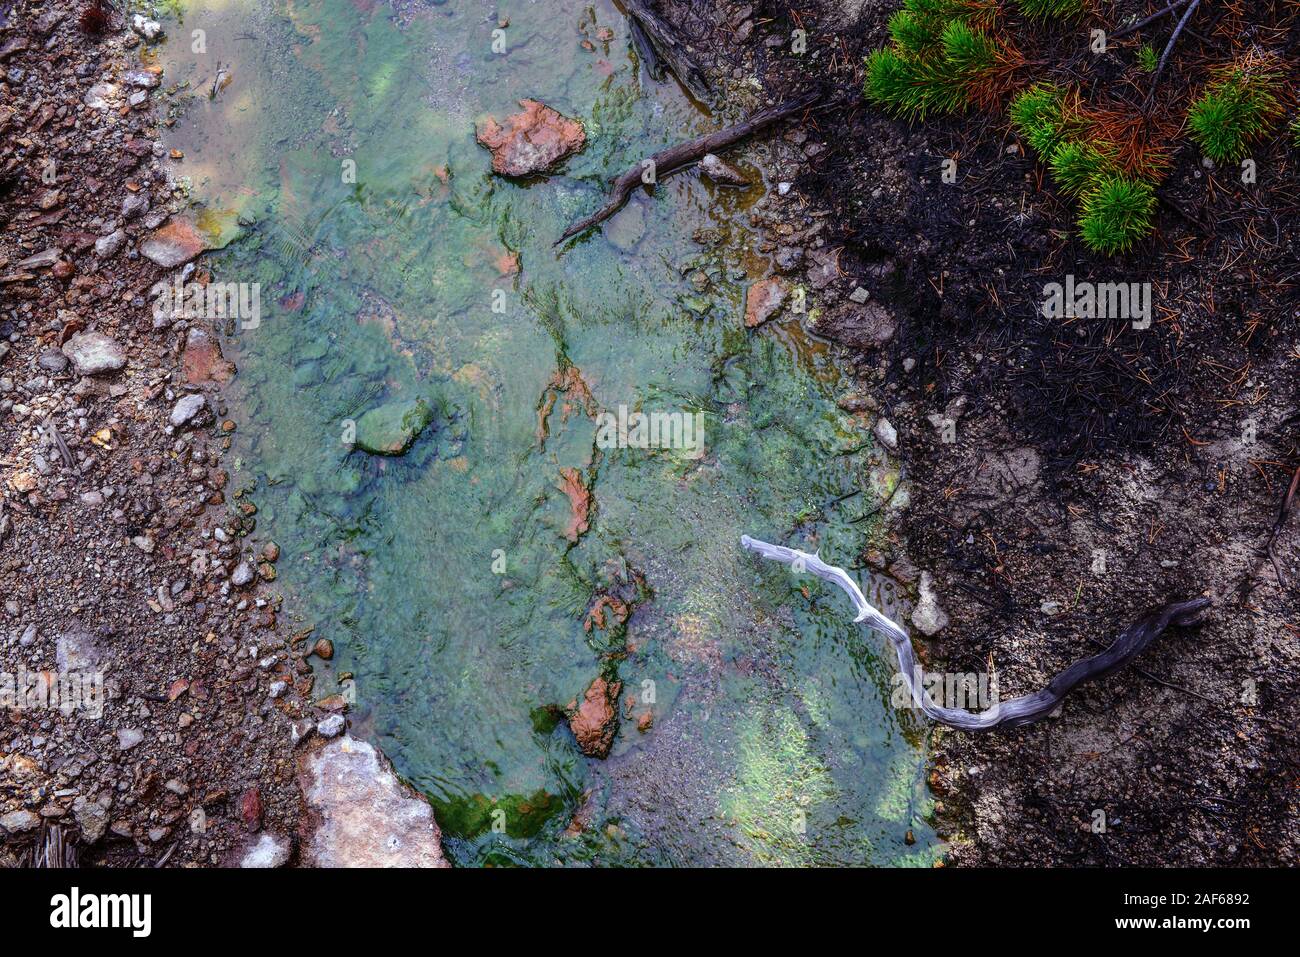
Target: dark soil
(1095, 470)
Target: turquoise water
(457, 581)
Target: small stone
(243, 575)
(331, 726)
(271, 552)
(52, 360)
(150, 30)
(42, 259)
(91, 817)
(94, 354)
(128, 738)
(886, 433)
(277, 688)
(18, 822)
(24, 482)
(859, 295)
(323, 649)
(724, 174)
(143, 79)
(188, 410)
(927, 616)
(135, 204)
(532, 141)
(99, 95)
(1050, 607)
(106, 247)
(267, 850)
(144, 543)
(391, 429)
(174, 244)
(762, 300)
(251, 809)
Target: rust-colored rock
(762, 300)
(202, 359)
(174, 244)
(594, 722)
(579, 503)
(250, 809)
(531, 141)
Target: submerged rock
(762, 300)
(594, 722)
(531, 141)
(391, 429)
(366, 816)
(202, 359)
(722, 173)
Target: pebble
(886, 433)
(331, 727)
(149, 29)
(128, 738)
(107, 246)
(18, 822)
(187, 410)
(243, 575)
(93, 353)
(52, 360)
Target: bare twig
(1284, 510)
(1141, 23)
(675, 157)
(1169, 48)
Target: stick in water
(675, 157)
(1004, 714)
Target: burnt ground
(120, 556)
(1092, 470)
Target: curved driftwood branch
(1003, 714)
(675, 157)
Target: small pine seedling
(1052, 9)
(1237, 108)
(1076, 166)
(1116, 213)
(1147, 61)
(1039, 114)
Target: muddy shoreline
(129, 561)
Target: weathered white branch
(1016, 711)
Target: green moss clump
(1237, 109)
(1117, 212)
